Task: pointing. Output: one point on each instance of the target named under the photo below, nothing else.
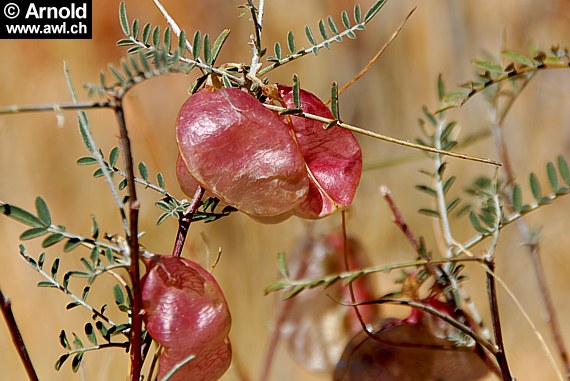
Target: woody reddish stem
(134, 251)
(185, 221)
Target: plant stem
(17, 339)
(437, 272)
(13, 109)
(448, 319)
(63, 289)
(92, 146)
(257, 16)
(185, 221)
(355, 274)
(132, 234)
(533, 247)
(399, 219)
(494, 305)
(328, 121)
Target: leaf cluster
(514, 66)
(482, 215)
(76, 349)
(440, 134)
(328, 33)
(161, 52)
(207, 211)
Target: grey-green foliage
(429, 125)
(328, 33)
(103, 324)
(161, 52)
(494, 72)
(481, 211)
(207, 211)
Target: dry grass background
(38, 158)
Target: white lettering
(55, 12)
(64, 13)
(81, 12)
(32, 10)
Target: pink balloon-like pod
(266, 165)
(185, 311)
(333, 157)
(241, 152)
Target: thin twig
(467, 141)
(492, 289)
(17, 338)
(93, 148)
(494, 306)
(355, 274)
(366, 329)
(376, 57)
(533, 247)
(399, 219)
(529, 70)
(134, 250)
(328, 121)
(533, 327)
(66, 291)
(177, 367)
(185, 220)
(257, 17)
(13, 109)
(438, 272)
(438, 182)
(448, 319)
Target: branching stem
(533, 247)
(185, 220)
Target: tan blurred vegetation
(38, 158)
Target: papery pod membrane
(185, 311)
(333, 157)
(317, 326)
(410, 349)
(241, 152)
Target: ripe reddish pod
(333, 157)
(185, 311)
(241, 152)
(266, 165)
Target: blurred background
(38, 158)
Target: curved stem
(448, 319)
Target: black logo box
(41, 19)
